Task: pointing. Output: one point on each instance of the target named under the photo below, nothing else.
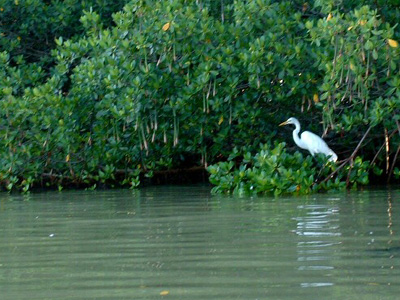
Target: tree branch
(351, 157)
(395, 157)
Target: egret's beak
(283, 123)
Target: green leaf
(369, 45)
(375, 54)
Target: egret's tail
(333, 156)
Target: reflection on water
(319, 228)
(183, 243)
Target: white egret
(310, 141)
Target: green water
(186, 244)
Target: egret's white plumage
(310, 141)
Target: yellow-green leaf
(393, 43)
(164, 293)
(166, 26)
(329, 17)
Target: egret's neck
(296, 137)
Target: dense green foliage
(160, 85)
(274, 171)
(29, 28)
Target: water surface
(183, 243)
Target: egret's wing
(314, 143)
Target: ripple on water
(124, 245)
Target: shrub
(274, 171)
